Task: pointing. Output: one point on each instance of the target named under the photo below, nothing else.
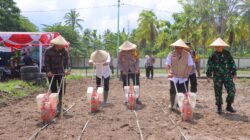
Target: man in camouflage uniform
(222, 67)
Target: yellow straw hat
(99, 56)
(126, 46)
(219, 43)
(59, 40)
(179, 43)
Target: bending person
(128, 63)
(179, 64)
(101, 59)
(56, 63)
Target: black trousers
(134, 77)
(55, 87)
(106, 82)
(193, 82)
(180, 88)
(150, 70)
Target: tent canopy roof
(19, 39)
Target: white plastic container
(39, 99)
(137, 91)
(89, 93)
(53, 99)
(126, 89)
(100, 94)
(192, 99)
(179, 98)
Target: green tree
(163, 39)
(86, 39)
(72, 19)
(26, 25)
(147, 31)
(9, 16)
(244, 10)
(109, 41)
(70, 35)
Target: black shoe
(138, 102)
(219, 109)
(58, 115)
(230, 109)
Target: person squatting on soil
(222, 68)
(57, 64)
(128, 63)
(179, 64)
(101, 60)
(150, 60)
(192, 76)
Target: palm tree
(72, 19)
(244, 7)
(147, 31)
(244, 10)
(164, 34)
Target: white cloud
(169, 6)
(99, 18)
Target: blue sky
(97, 14)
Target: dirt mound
(114, 122)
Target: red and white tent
(18, 40)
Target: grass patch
(75, 77)
(245, 81)
(17, 89)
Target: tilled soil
(21, 119)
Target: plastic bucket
(39, 100)
(89, 93)
(137, 91)
(192, 99)
(179, 98)
(100, 94)
(53, 99)
(126, 90)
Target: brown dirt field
(21, 119)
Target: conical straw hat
(126, 46)
(219, 43)
(99, 56)
(59, 41)
(179, 43)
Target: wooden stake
(79, 137)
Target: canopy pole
(40, 56)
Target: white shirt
(103, 70)
(168, 62)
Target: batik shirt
(56, 60)
(221, 64)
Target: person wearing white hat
(221, 67)
(128, 63)
(101, 59)
(57, 63)
(179, 64)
